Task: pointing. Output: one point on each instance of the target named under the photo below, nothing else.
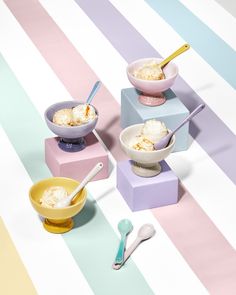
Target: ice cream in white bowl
(138, 143)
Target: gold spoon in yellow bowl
(173, 55)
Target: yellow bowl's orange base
(58, 228)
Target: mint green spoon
(124, 227)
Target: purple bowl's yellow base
(76, 165)
(58, 226)
(152, 101)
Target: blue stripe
(205, 42)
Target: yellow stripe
(13, 275)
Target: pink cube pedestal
(144, 193)
(76, 165)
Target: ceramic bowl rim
(63, 209)
(150, 81)
(69, 127)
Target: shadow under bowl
(72, 137)
(58, 220)
(151, 90)
(144, 163)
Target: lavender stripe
(207, 128)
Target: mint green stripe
(205, 42)
(92, 242)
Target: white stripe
(210, 86)
(215, 17)
(183, 280)
(46, 257)
(70, 18)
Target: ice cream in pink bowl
(145, 75)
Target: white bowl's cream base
(146, 170)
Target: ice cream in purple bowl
(71, 121)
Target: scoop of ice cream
(141, 143)
(52, 195)
(83, 113)
(63, 117)
(154, 130)
(151, 132)
(149, 71)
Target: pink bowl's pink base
(152, 101)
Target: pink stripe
(202, 245)
(205, 249)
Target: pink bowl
(152, 87)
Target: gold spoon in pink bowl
(174, 55)
(151, 91)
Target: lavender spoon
(165, 140)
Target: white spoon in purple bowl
(161, 144)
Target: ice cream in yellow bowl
(46, 192)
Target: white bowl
(144, 163)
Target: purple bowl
(71, 136)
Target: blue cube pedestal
(144, 193)
(172, 113)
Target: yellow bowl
(57, 220)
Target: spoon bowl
(124, 227)
(146, 231)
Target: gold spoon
(173, 55)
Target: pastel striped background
(52, 51)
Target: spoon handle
(91, 175)
(66, 202)
(128, 252)
(174, 54)
(190, 116)
(93, 92)
(120, 254)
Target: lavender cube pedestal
(76, 165)
(144, 193)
